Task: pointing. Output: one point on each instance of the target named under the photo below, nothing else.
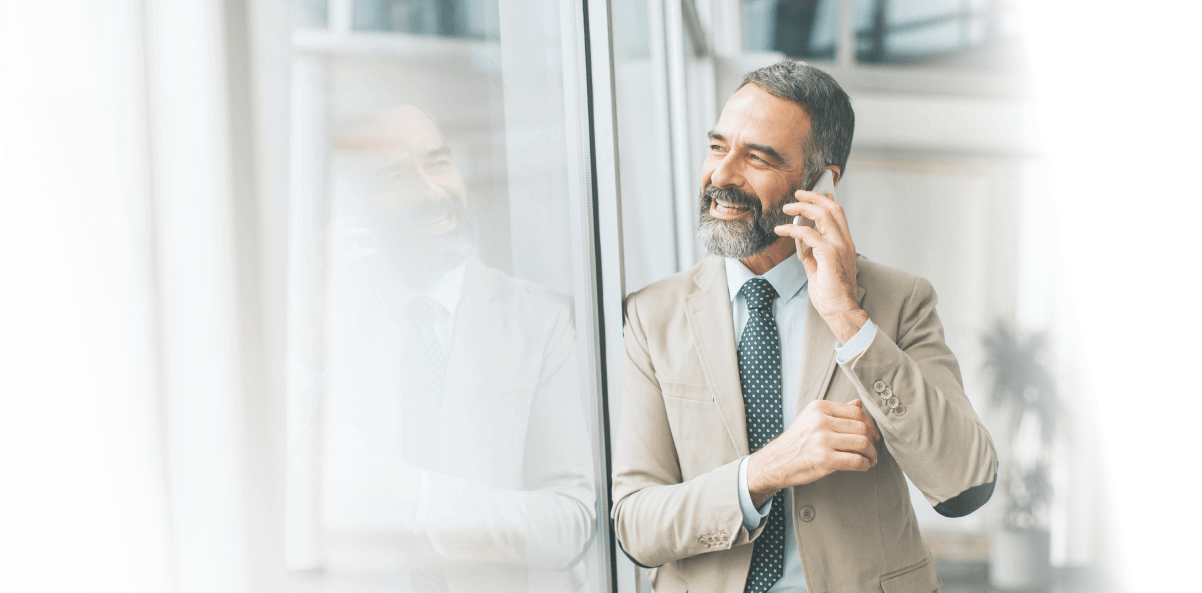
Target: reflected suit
(501, 495)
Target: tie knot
(759, 294)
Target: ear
(837, 173)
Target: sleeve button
(899, 411)
(893, 403)
(879, 386)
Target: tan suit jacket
(683, 432)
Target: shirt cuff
(857, 344)
(752, 517)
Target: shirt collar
(787, 278)
(445, 290)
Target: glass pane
(307, 14)
(965, 33)
(797, 28)
(443, 430)
(644, 151)
(469, 19)
(631, 30)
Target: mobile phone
(825, 185)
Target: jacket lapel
(818, 368)
(709, 313)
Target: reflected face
(416, 202)
(755, 162)
(419, 186)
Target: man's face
(417, 200)
(754, 164)
(416, 184)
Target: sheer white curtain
(139, 408)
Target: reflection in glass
(310, 13)
(458, 420)
(467, 19)
(806, 29)
(968, 33)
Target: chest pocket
(702, 441)
(686, 391)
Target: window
(445, 421)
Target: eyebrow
(442, 152)
(768, 150)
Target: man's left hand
(830, 261)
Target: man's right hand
(825, 438)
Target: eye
(439, 166)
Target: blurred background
(190, 238)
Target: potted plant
(1023, 390)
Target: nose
(417, 187)
(727, 173)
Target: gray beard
(418, 261)
(422, 264)
(739, 239)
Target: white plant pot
(1020, 560)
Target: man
(455, 406)
(771, 403)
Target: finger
(842, 461)
(806, 254)
(848, 426)
(813, 197)
(853, 443)
(810, 237)
(842, 410)
(807, 200)
(827, 219)
(867, 421)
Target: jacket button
(807, 514)
(899, 411)
(879, 386)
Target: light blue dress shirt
(789, 308)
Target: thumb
(806, 254)
(875, 431)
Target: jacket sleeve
(549, 523)
(659, 517)
(933, 433)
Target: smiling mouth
(433, 219)
(725, 208)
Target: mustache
(429, 210)
(730, 195)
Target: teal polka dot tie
(759, 373)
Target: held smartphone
(825, 185)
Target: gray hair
(832, 120)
